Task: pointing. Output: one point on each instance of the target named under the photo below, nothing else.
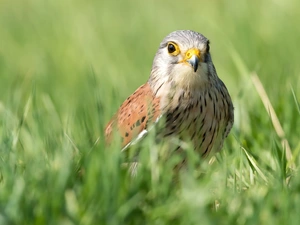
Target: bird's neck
(183, 86)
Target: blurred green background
(66, 66)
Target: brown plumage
(137, 112)
(184, 92)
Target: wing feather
(134, 117)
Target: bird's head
(182, 60)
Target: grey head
(186, 39)
(183, 59)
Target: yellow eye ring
(173, 48)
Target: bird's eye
(207, 47)
(173, 48)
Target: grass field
(66, 66)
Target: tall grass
(66, 66)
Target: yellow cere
(191, 52)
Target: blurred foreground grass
(66, 66)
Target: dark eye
(207, 47)
(171, 48)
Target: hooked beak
(192, 56)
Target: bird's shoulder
(134, 116)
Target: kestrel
(184, 92)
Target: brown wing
(136, 113)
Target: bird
(183, 94)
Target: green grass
(66, 66)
